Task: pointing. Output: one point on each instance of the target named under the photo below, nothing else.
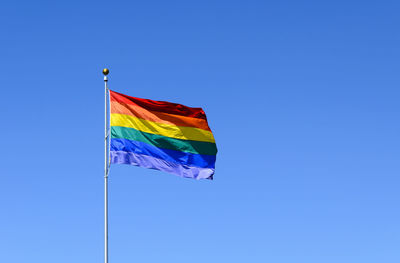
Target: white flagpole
(105, 72)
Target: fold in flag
(161, 135)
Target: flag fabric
(161, 135)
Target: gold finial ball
(106, 71)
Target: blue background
(302, 97)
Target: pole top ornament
(106, 71)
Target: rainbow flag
(161, 135)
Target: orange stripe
(159, 117)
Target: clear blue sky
(303, 99)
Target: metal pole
(105, 72)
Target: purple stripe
(120, 157)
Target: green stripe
(160, 141)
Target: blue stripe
(119, 157)
(184, 158)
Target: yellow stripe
(179, 132)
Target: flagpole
(105, 73)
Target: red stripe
(160, 106)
